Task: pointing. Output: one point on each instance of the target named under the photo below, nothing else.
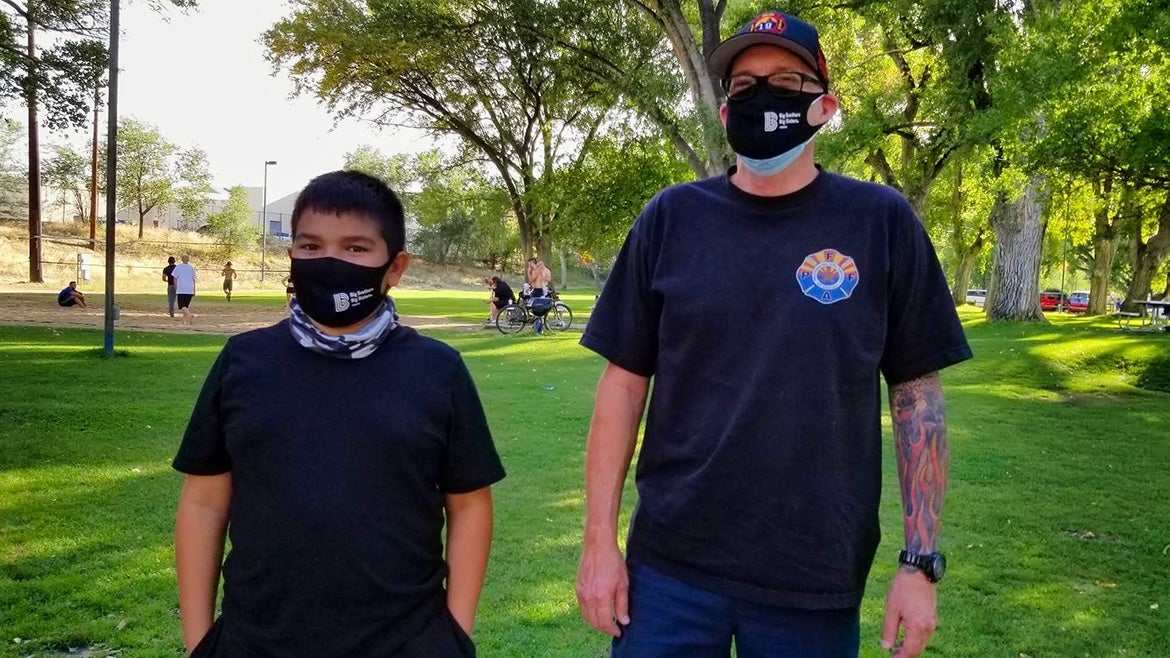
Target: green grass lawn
(1056, 523)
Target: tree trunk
(35, 274)
(966, 265)
(1019, 228)
(93, 179)
(1148, 257)
(692, 59)
(1105, 241)
(1166, 290)
(564, 270)
(1104, 251)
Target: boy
(71, 296)
(337, 509)
(168, 276)
(229, 276)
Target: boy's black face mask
(337, 293)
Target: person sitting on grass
(337, 510)
(71, 296)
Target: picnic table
(1155, 315)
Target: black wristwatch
(934, 565)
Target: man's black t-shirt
(167, 273)
(760, 470)
(504, 294)
(339, 470)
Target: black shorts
(184, 300)
(501, 303)
(227, 285)
(67, 302)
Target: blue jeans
(669, 618)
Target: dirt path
(141, 313)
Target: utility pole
(35, 274)
(264, 221)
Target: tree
(194, 191)
(60, 79)
(233, 225)
(474, 72)
(394, 170)
(145, 172)
(1101, 129)
(1019, 225)
(69, 170)
(601, 196)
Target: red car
(1078, 302)
(1050, 300)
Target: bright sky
(202, 79)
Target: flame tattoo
(920, 434)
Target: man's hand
(912, 604)
(603, 586)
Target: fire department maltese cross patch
(828, 276)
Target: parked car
(1078, 302)
(1050, 300)
(977, 296)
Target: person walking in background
(71, 296)
(184, 274)
(759, 473)
(168, 276)
(229, 276)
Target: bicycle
(514, 317)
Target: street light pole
(264, 222)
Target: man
(500, 295)
(760, 469)
(170, 279)
(184, 274)
(229, 277)
(71, 296)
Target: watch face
(938, 566)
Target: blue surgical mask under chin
(774, 164)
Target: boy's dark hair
(496, 280)
(72, 283)
(171, 260)
(352, 191)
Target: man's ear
(289, 250)
(823, 109)
(397, 267)
(723, 113)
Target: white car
(976, 296)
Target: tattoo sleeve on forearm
(920, 435)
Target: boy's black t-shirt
(339, 470)
(760, 469)
(168, 273)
